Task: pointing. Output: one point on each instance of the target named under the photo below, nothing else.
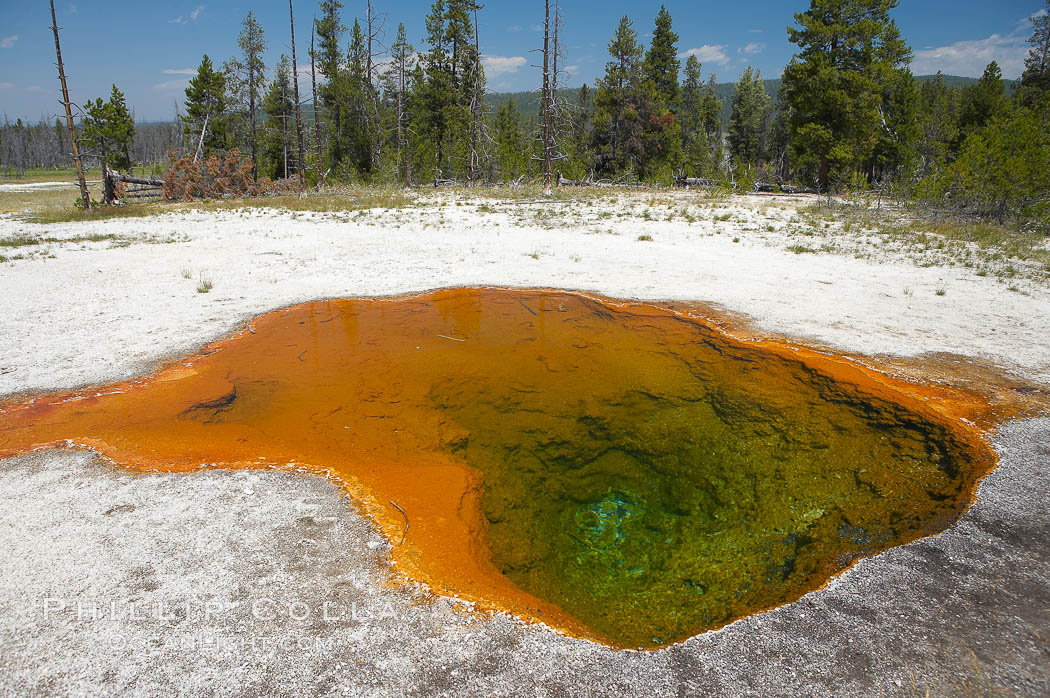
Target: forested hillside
(528, 103)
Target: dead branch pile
(211, 177)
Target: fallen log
(138, 180)
(694, 182)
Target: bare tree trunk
(548, 125)
(84, 196)
(298, 111)
(475, 102)
(402, 146)
(555, 78)
(368, 20)
(251, 112)
(200, 144)
(317, 117)
(109, 191)
(373, 92)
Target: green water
(655, 481)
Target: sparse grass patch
(187, 273)
(953, 241)
(941, 291)
(20, 240)
(801, 249)
(205, 284)
(69, 214)
(645, 238)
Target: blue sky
(163, 42)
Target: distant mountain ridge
(528, 103)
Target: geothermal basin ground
(263, 581)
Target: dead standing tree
(401, 55)
(317, 116)
(547, 104)
(375, 22)
(84, 197)
(298, 104)
(550, 111)
(477, 98)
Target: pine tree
(422, 153)
(511, 151)
(662, 66)
(938, 124)
(437, 91)
(109, 130)
(330, 29)
(401, 57)
(982, 102)
(778, 143)
(1035, 81)
(749, 120)
(712, 111)
(278, 138)
(579, 158)
(206, 105)
(466, 66)
(896, 151)
(358, 127)
(618, 125)
(247, 78)
(695, 143)
(658, 104)
(848, 52)
(452, 81)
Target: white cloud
(72, 9)
(514, 28)
(172, 85)
(752, 48)
(183, 19)
(754, 31)
(5, 86)
(9, 41)
(969, 58)
(179, 71)
(708, 54)
(499, 65)
(34, 88)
